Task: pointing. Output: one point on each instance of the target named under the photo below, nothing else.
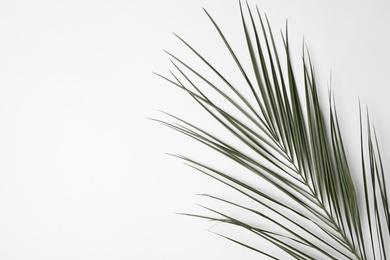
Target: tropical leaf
(282, 137)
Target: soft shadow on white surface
(83, 174)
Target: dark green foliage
(298, 152)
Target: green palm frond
(278, 133)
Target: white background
(83, 174)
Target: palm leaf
(282, 138)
